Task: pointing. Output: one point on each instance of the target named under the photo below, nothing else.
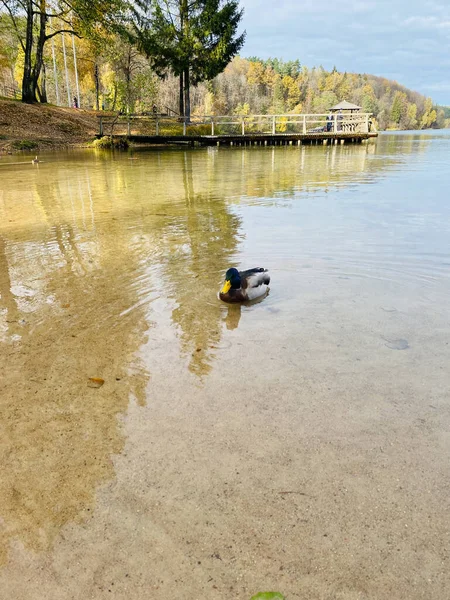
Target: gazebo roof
(344, 105)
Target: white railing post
(304, 124)
(335, 122)
(367, 123)
(184, 125)
(212, 125)
(243, 127)
(274, 125)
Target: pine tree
(194, 39)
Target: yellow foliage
(18, 68)
(238, 66)
(412, 115)
(208, 103)
(292, 91)
(242, 109)
(282, 124)
(368, 90)
(256, 74)
(429, 115)
(271, 77)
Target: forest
(114, 60)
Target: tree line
(273, 86)
(192, 39)
(183, 57)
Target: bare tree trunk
(114, 97)
(97, 87)
(128, 78)
(42, 89)
(187, 96)
(184, 81)
(28, 92)
(181, 106)
(32, 72)
(39, 60)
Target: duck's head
(232, 280)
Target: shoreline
(50, 127)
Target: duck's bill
(226, 287)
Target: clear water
(334, 386)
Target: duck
(242, 286)
(35, 160)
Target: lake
(158, 443)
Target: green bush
(24, 145)
(108, 143)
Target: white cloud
(410, 38)
(427, 23)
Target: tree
(76, 17)
(369, 101)
(429, 115)
(411, 116)
(130, 77)
(8, 47)
(398, 107)
(195, 39)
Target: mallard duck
(35, 160)
(241, 286)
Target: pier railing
(211, 125)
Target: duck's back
(255, 282)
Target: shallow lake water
(299, 444)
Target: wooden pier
(233, 130)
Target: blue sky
(405, 40)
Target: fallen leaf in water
(268, 596)
(65, 305)
(95, 382)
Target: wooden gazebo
(345, 107)
(346, 117)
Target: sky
(404, 40)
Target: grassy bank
(36, 126)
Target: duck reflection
(233, 316)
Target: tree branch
(14, 22)
(71, 31)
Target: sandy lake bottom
(300, 444)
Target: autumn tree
(399, 106)
(133, 82)
(76, 17)
(8, 47)
(429, 115)
(369, 101)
